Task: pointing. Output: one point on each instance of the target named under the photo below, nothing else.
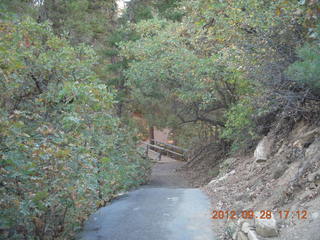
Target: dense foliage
(63, 152)
(73, 72)
(306, 70)
(225, 64)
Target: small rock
(312, 186)
(246, 227)
(263, 150)
(266, 227)
(242, 236)
(252, 235)
(232, 228)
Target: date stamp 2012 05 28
(263, 214)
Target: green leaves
(306, 69)
(170, 69)
(208, 68)
(62, 151)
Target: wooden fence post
(147, 152)
(160, 155)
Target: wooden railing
(165, 149)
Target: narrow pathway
(164, 174)
(166, 209)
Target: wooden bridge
(165, 149)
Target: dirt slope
(282, 175)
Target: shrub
(62, 151)
(240, 127)
(306, 70)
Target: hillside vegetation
(220, 73)
(64, 152)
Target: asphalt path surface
(166, 209)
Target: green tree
(165, 69)
(82, 21)
(306, 70)
(221, 52)
(63, 153)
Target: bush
(62, 151)
(306, 70)
(240, 127)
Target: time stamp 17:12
(263, 214)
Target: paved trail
(166, 209)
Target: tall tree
(83, 21)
